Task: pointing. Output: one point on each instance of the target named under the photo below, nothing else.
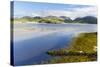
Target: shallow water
(31, 41)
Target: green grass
(86, 42)
(53, 20)
(81, 49)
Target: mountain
(87, 19)
(66, 19)
(51, 19)
(55, 19)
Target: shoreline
(47, 23)
(26, 33)
(76, 51)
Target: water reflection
(30, 48)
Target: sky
(22, 8)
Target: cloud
(74, 13)
(81, 12)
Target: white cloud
(81, 12)
(76, 12)
(35, 14)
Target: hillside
(55, 20)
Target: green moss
(85, 42)
(81, 49)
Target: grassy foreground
(82, 49)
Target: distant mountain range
(55, 19)
(87, 19)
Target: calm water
(32, 41)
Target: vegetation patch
(82, 49)
(55, 19)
